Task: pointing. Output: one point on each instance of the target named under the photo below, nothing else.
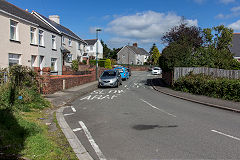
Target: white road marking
(73, 109)
(125, 86)
(92, 142)
(158, 108)
(77, 129)
(226, 135)
(69, 114)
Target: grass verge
(26, 135)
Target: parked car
(156, 70)
(123, 71)
(129, 71)
(110, 78)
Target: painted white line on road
(77, 129)
(158, 108)
(226, 135)
(68, 114)
(73, 109)
(92, 142)
(125, 86)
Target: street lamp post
(97, 30)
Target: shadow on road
(147, 127)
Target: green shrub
(108, 64)
(21, 91)
(84, 62)
(200, 84)
(101, 63)
(75, 64)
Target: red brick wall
(51, 84)
(139, 68)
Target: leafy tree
(193, 47)
(182, 42)
(106, 50)
(150, 60)
(155, 55)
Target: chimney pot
(55, 18)
(135, 44)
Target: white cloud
(226, 1)
(146, 27)
(235, 9)
(235, 25)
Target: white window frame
(54, 44)
(79, 45)
(14, 26)
(54, 67)
(33, 60)
(33, 35)
(12, 58)
(70, 42)
(41, 37)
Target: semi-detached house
(22, 36)
(72, 47)
(33, 40)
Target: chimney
(55, 18)
(135, 45)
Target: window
(79, 46)
(91, 48)
(41, 37)
(13, 59)
(69, 42)
(33, 60)
(54, 64)
(63, 40)
(13, 30)
(69, 58)
(54, 42)
(33, 35)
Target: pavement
(159, 85)
(62, 99)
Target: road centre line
(158, 108)
(92, 142)
(226, 135)
(73, 109)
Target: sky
(144, 22)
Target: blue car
(123, 71)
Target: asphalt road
(135, 122)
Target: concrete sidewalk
(62, 100)
(159, 85)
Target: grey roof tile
(61, 28)
(91, 41)
(138, 50)
(18, 12)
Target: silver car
(110, 78)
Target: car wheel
(117, 85)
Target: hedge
(106, 63)
(228, 89)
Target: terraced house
(33, 40)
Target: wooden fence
(183, 71)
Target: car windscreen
(120, 70)
(156, 69)
(109, 74)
